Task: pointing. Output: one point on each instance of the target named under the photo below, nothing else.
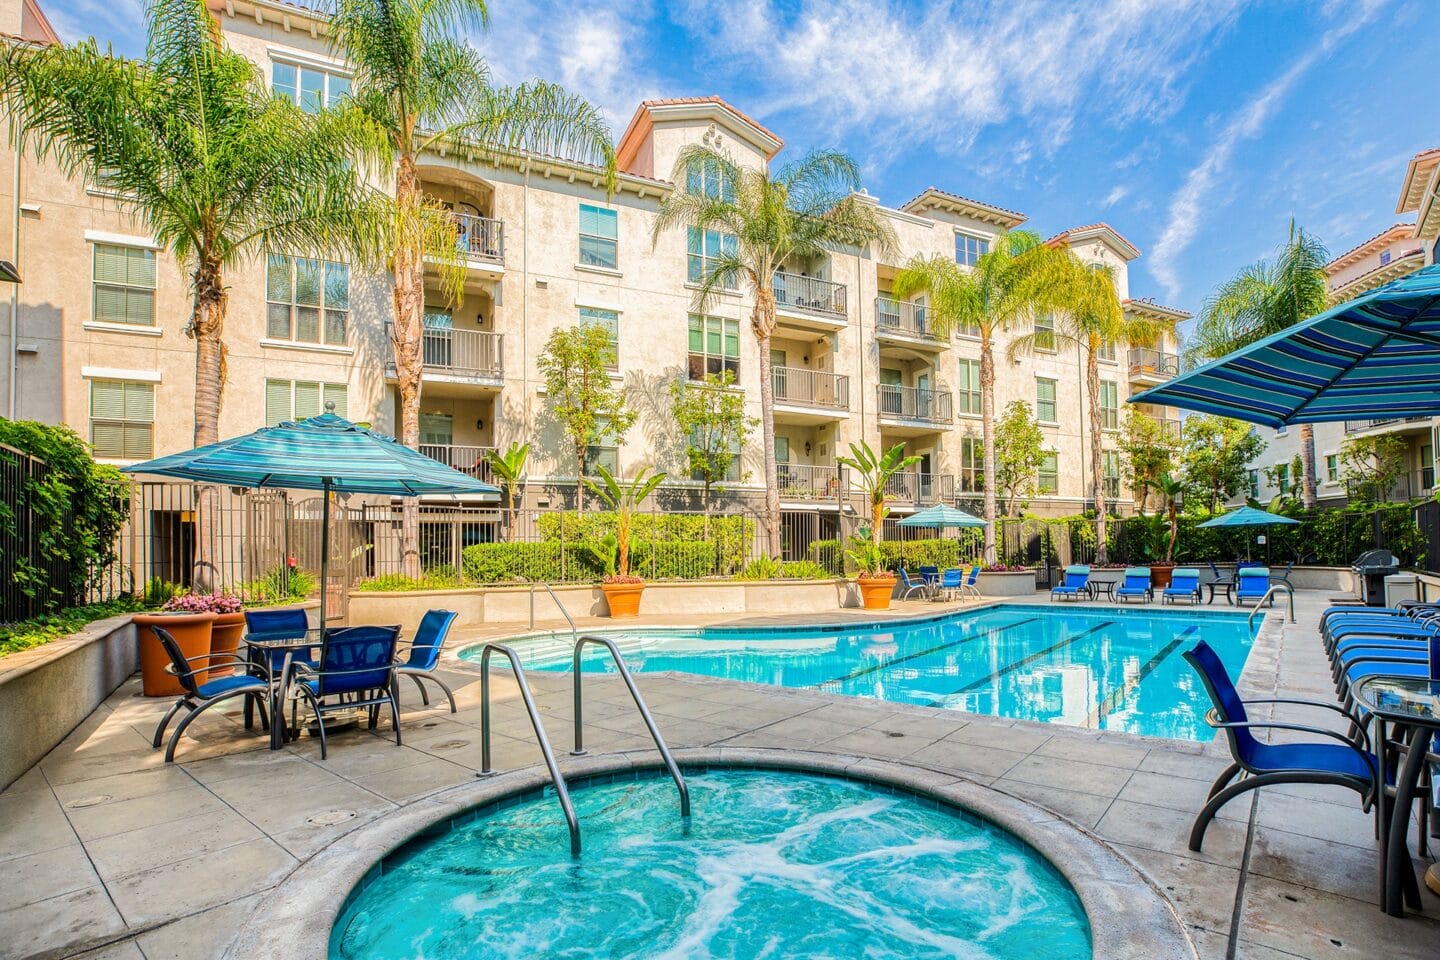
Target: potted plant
(225, 632)
(873, 475)
(1170, 490)
(190, 630)
(622, 591)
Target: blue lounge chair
(1252, 583)
(1340, 760)
(425, 654)
(199, 697)
(909, 585)
(1184, 585)
(1076, 585)
(357, 669)
(1136, 585)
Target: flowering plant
(203, 603)
(621, 578)
(1005, 568)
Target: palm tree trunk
(207, 325)
(1097, 458)
(408, 340)
(762, 324)
(1307, 465)
(987, 433)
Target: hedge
(567, 562)
(731, 536)
(940, 552)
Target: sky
(1196, 128)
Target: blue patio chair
(199, 697)
(424, 654)
(908, 585)
(288, 624)
(1136, 585)
(931, 576)
(1252, 583)
(970, 586)
(1076, 585)
(952, 581)
(1341, 760)
(356, 669)
(1184, 585)
(1284, 577)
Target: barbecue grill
(1370, 570)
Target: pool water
(1107, 668)
(770, 865)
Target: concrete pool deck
(105, 852)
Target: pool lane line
(856, 674)
(1122, 692)
(1028, 659)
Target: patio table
(279, 685)
(1105, 581)
(1411, 706)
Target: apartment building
(101, 344)
(1394, 252)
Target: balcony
(907, 324)
(482, 242)
(1360, 426)
(813, 396)
(471, 460)
(915, 489)
(806, 481)
(1153, 366)
(454, 355)
(809, 302)
(1170, 428)
(910, 406)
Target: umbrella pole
(324, 554)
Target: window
(1110, 473)
(967, 388)
(1106, 352)
(308, 87)
(705, 178)
(1047, 479)
(1282, 478)
(1384, 258)
(1254, 481)
(604, 452)
(610, 321)
(714, 346)
(1045, 332)
(298, 399)
(1045, 400)
(599, 246)
(124, 285)
(1332, 468)
(1109, 405)
(308, 301)
(969, 249)
(970, 330)
(972, 465)
(702, 247)
(122, 419)
(437, 429)
(732, 472)
(1282, 430)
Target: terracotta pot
(190, 630)
(225, 636)
(1160, 575)
(623, 598)
(875, 591)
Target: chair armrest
(1301, 728)
(1335, 707)
(346, 673)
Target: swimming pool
(770, 864)
(1108, 668)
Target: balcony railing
(463, 353)
(805, 481)
(472, 460)
(904, 318)
(920, 489)
(1358, 426)
(914, 403)
(810, 294)
(1170, 428)
(480, 238)
(799, 386)
(1407, 486)
(1149, 364)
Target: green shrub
(931, 552)
(761, 568)
(159, 591)
(729, 536)
(440, 578)
(559, 562)
(804, 570)
(52, 626)
(279, 586)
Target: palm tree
(423, 87)
(1265, 298)
(1093, 319)
(1016, 279)
(873, 475)
(510, 468)
(198, 150)
(805, 209)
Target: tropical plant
(623, 499)
(1092, 320)
(1215, 456)
(1019, 453)
(579, 394)
(872, 476)
(1171, 490)
(1371, 466)
(1018, 278)
(711, 417)
(424, 87)
(866, 557)
(803, 210)
(1262, 299)
(1148, 451)
(509, 467)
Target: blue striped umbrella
(326, 453)
(942, 515)
(1372, 357)
(1248, 517)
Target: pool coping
(1130, 917)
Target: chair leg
(256, 702)
(1212, 807)
(395, 707)
(1225, 777)
(185, 722)
(165, 721)
(449, 694)
(424, 696)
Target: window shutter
(139, 401)
(277, 401)
(307, 400)
(107, 400)
(335, 393)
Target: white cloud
(121, 22)
(1115, 195)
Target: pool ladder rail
(557, 779)
(1269, 597)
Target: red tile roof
(1014, 215)
(719, 101)
(1064, 235)
(1360, 247)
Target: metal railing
(904, 318)
(811, 388)
(1151, 364)
(574, 634)
(1269, 596)
(557, 779)
(1358, 426)
(469, 459)
(920, 488)
(624, 672)
(808, 481)
(480, 238)
(459, 352)
(810, 294)
(914, 403)
(1169, 427)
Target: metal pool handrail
(574, 634)
(624, 671)
(1269, 594)
(562, 793)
